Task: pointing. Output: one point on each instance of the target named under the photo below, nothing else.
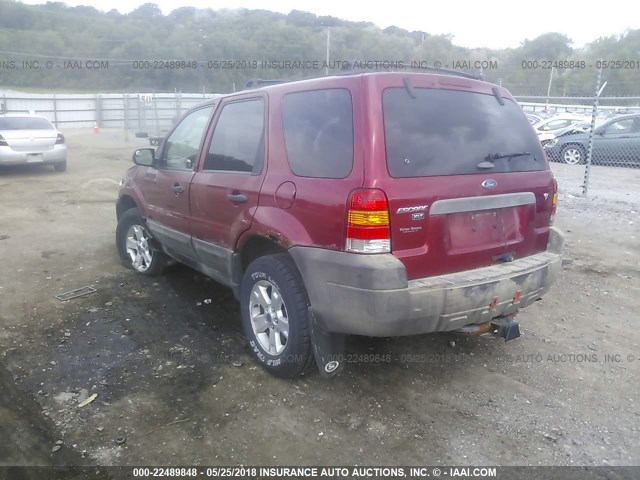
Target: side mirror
(144, 156)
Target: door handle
(237, 197)
(178, 189)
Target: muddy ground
(176, 385)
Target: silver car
(33, 140)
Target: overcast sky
(489, 23)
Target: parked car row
(615, 142)
(565, 138)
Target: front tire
(275, 315)
(135, 245)
(573, 155)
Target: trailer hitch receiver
(506, 328)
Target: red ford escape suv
(378, 204)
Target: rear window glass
(449, 132)
(318, 132)
(25, 123)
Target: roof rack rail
(446, 71)
(450, 71)
(259, 82)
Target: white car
(577, 127)
(556, 123)
(533, 118)
(29, 139)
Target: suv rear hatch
(466, 177)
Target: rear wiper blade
(497, 156)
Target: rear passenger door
(225, 190)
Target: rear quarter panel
(316, 217)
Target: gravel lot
(175, 384)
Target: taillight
(554, 202)
(368, 222)
(3, 142)
(60, 139)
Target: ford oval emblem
(489, 183)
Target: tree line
(54, 46)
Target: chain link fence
(589, 135)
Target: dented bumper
(370, 294)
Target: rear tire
(573, 155)
(60, 167)
(275, 315)
(135, 245)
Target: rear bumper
(370, 294)
(57, 154)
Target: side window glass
(623, 126)
(181, 148)
(237, 144)
(318, 132)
